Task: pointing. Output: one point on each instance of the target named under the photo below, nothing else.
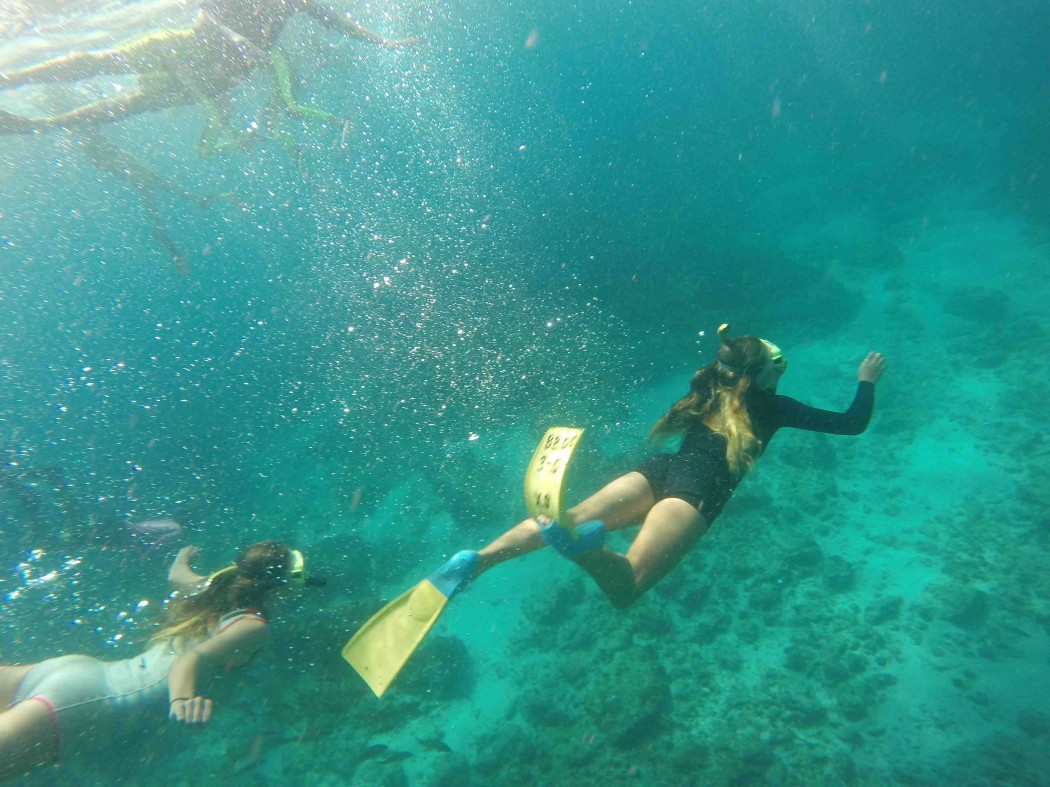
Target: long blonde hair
(260, 569)
(717, 398)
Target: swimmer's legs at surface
(108, 110)
(219, 138)
(619, 504)
(27, 739)
(155, 52)
(69, 68)
(671, 528)
(160, 235)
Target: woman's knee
(622, 502)
(626, 598)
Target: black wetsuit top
(699, 472)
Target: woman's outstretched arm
(235, 644)
(342, 21)
(180, 574)
(853, 421)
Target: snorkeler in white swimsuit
(90, 701)
(69, 705)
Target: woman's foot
(455, 574)
(588, 536)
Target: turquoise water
(537, 216)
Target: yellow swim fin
(382, 646)
(546, 476)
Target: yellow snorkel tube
(211, 577)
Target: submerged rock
(979, 304)
(379, 773)
(506, 749)
(441, 670)
(802, 555)
(964, 606)
(883, 610)
(1034, 723)
(440, 769)
(839, 574)
(634, 709)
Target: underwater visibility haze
(344, 317)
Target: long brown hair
(260, 569)
(717, 398)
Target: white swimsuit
(94, 702)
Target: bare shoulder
(242, 636)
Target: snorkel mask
(297, 570)
(296, 575)
(769, 377)
(771, 373)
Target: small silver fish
(154, 532)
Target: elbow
(857, 426)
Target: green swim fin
(283, 73)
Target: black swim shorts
(699, 479)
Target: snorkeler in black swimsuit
(699, 473)
(727, 419)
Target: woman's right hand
(871, 368)
(190, 710)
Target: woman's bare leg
(27, 739)
(27, 735)
(69, 68)
(670, 530)
(107, 110)
(619, 504)
(10, 678)
(521, 539)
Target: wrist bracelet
(178, 699)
